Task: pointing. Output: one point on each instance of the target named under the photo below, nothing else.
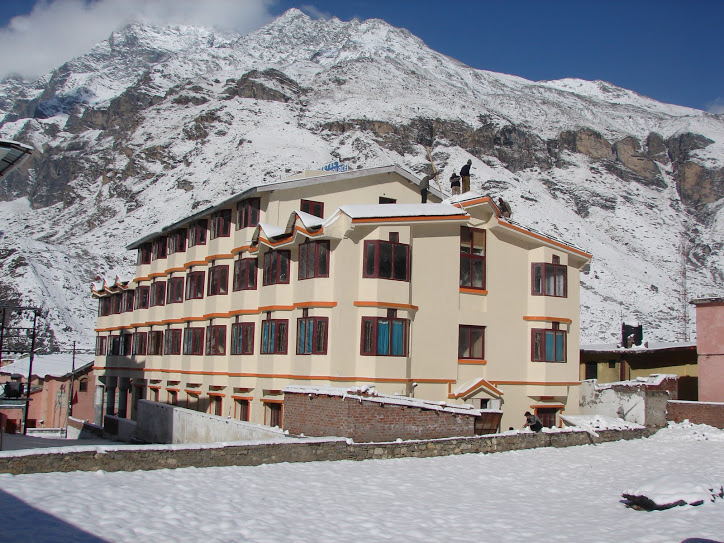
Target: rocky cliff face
(155, 123)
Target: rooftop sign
(335, 166)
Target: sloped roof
(53, 365)
(374, 211)
(12, 154)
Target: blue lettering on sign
(335, 167)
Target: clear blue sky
(669, 50)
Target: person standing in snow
(504, 208)
(465, 174)
(532, 422)
(424, 185)
(455, 183)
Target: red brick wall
(368, 421)
(697, 412)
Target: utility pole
(69, 411)
(683, 253)
(30, 372)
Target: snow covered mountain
(157, 122)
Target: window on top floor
(313, 259)
(472, 258)
(245, 271)
(195, 285)
(276, 267)
(104, 306)
(197, 232)
(387, 259)
(175, 290)
(160, 248)
(158, 293)
(117, 303)
(313, 208)
(218, 281)
(142, 297)
(247, 213)
(128, 297)
(144, 254)
(221, 224)
(549, 279)
(548, 345)
(177, 241)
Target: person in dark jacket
(455, 183)
(465, 174)
(424, 185)
(532, 422)
(504, 208)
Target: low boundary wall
(149, 457)
(711, 413)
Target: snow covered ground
(542, 495)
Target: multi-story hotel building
(344, 279)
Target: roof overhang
(12, 155)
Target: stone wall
(148, 457)
(641, 403)
(80, 429)
(711, 413)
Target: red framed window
(387, 260)
(247, 213)
(140, 343)
(128, 296)
(193, 340)
(313, 208)
(104, 306)
(313, 259)
(274, 336)
(177, 241)
(175, 290)
(245, 271)
(172, 341)
(195, 285)
(116, 303)
(312, 335)
(384, 336)
(155, 342)
(547, 416)
(114, 345)
(143, 295)
(221, 224)
(242, 409)
(275, 413)
(242, 338)
(472, 258)
(197, 232)
(218, 281)
(216, 339)
(215, 405)
(172, 397)
(160, 248)
(276, 267)
(158, 293)
(101, 342)
(144, 254)
(126, 344)
(549, 279)
(471, 342)
(548, 345)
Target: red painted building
(710, 348)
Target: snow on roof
(646, 346)
(655, 379)
(372, 211)
(475, 384)
(44, 365)
(707, 300)
(270, 230)
(592, 423)
(309, 221)
(368, 393)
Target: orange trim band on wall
(389, 305)
(538, 383)
(543, 238)
(547, 319)
(300, 305)
(472, 362)
(156, 274)
(265, 308)
(155, 387)
(247, 398)
(272, 401)
(218, 394)
(172, 270)
(415, 218)
(173, 390)
(225, 256)
(193, 392)
(469, 290)
(139, 279)
(548, 406)
(195, 263)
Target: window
(216, 339)
(173, 397)
(154, 394)
(142, 297)
(313, 208)
(114, 346)
(242, 338)
(548, 345)
(471, 342)
(221, 224)
(274, 336)
(128, 300)
(384, 336)
(549, 279)
(247, 213)
(275, 414)
(384, 200)
(472, 258)
(160, 248)
(193, 340)
(83, 385)
(215, 405)
(175, 290)
(155, 342)
(104, 306)
(591, 370)
(158, 293)
(312, 335)
(313, 259)
(242, 409)
(173, 341)
(126, 344)
(101, 342)
(387, 260)
(144, 254)
(276, 267)
(197, 232)
(177, 241)
(195, 285)
(547, 416)
(140, 343)
(245, 274)
(218, 281)
(116, 303)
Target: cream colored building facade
(350, 289)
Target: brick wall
(365, 421)
(710, 413)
